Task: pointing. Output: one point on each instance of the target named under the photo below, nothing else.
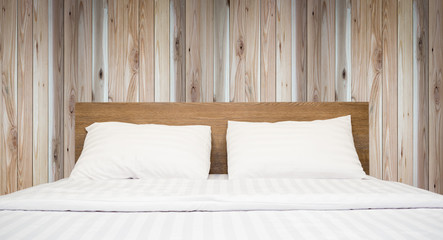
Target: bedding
(293, 149)
(218, 208)
(116, 150)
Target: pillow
(115, 150)
(316, 149)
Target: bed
(219, 207)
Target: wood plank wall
(54, 53)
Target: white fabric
(222, 209)
(220, 195)
(315, 149)
(114, 150)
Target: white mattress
(222, 209)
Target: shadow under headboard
(216, 115)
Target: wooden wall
(54, 53)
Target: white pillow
(114, 150)
(316, 149)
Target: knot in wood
(240, 47)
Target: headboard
(217, 114)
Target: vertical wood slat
(162, 78)
(300, 44)
(3, 171)
(237, 52)
(321, 51)
(146, 51)
(56, 105)
(199, 55)
(366, 64)
(99, 47)
(178, 45)
(405, 93)
(252, 55)
(435, 96)
(131, 51)
(116, 51)
(268, 51)
(421, 91)
(284, 51)
(343, 49)
(221, 50)
(24, 94)
(8, 78)
(390, 90)
(40, 94)
(84, 58)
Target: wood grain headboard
(217, 114)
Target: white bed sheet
(222, 209)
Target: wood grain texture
(221, 50)
(8, 125)
(146, 51)
(216, 115)
(162, 78)
(366, 64)
(178, 47)
(237, 52)
(321, 51)
(420, 60)
(268, 50)
(70, 83)
(100, 49)
(56, 104)
(252, 48)
(435, 96)
(390, 90)
(343, 49)
(24, 94)
(116, 50)
(405, 93)
(284, 51)
(40, 94)
(3, 171)
(131, 38)
(200, 51)
(84, 57)
(301, 46)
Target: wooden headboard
(217, 114)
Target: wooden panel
(221, 50)
(367, 71)
(178, 46)
(8, 125)
(200, 51)
(435, 96)
(131, 51)
(3, 171)
(268, 51)
(421, 91)
(84, 58)
(390, 90)
(161, 14)
(343, 49)
(40, 94)
(216, 115)
(56, 103)
(70, 83)
(284, 51)
(237, 52)
(252, 48)
(24, 94)
(300, 45)
(146, 51)
(405, 93)
(116, 50)
(100, 49)
(321, 50)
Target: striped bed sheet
(222, 209)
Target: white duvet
(178, 195)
